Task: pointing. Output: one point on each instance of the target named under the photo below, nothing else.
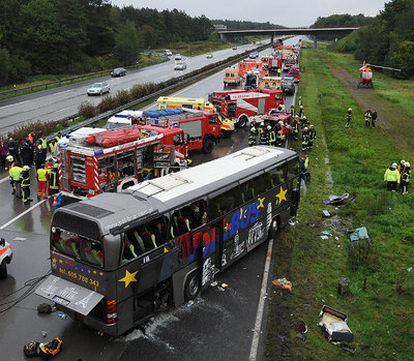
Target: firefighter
(304, 163)
(296, 128)
(280, 138)
(253, 134)
(272, 135)
(374, 116)
(368, 118)
(392, 177)
(300, 113)
(300, 101)
(15, 171)
(400, 166)
(39, 157)
(304, 121)
(305, 138)
(42, 178)
(52, 146)
(264, 136)
(54, 179)
(292, 110)
(25, 184)
(405, 178)
(348, 117)
(312, 136)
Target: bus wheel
(242, 121)
(192, 286)
(208, 146)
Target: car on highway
(178, 57)
(288, 85)
(98, 89)
(117, 72)
(180, 66)
(6, 255)
(168, 52)
(209, 56)
(253, 54)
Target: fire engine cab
(242, 104)
(113, 160)
(202, 129)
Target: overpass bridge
(312, 32)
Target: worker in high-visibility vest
(272, 135)
(253, 134)
(42, 176)
(392, 177)
(405, 178)
(14, 172)
(25, 184)
(54, 180)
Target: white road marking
(5, 179)
(260, 307)
(22, 214)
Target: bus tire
(242, 122)
(192, 285)
(274, 228)
(208, 145)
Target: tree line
(60, 36)
(387, 40)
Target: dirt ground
(392, 121)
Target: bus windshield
(75, 246)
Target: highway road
(61, 102)
(217, 326)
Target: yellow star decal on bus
(129, 277)
(261, 201)
(282, 195)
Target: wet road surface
(218, 325)
(61, 102)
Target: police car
(6, 255)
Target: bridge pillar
(272, 39)
(223, 37)
(315, 42)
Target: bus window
(224, 203)
(278, 175)
(293, 169)
(91, 252)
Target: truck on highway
(113, 160)
(202, 129)
(119, 259)
(242, 104)
(231, 76)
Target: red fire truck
(113, 160)
(202, 129)
(248, 65)
(242, 104)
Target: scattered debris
(283, 283)
(336, 200)
(325, 213)
(220, 288)
(30, 349)
(44, 308)
(19, 239)
(301, 327)
(224, 285)
(335, 325)
(62, 315)
(325, 237)
(343, 286)
(214, 284)
(326, 232)
(346, 347)
(358, 234)
(46, 350)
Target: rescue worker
(368, 118)
(374, 116)
(42, 178)
(392, 177)
(54, 180)
(253, 132)
(296, 128)
(26, 153)
(400, 166)
(25, 184)
(272, 135)
(264, 136)
(52, 146)
(312, 136)
(348, 117)
(300, 113)
(405, 178)
(39, 157)
(280, 138)
(304, 163)
(13, 149)
(300, 101)
(292, 110)
(9, 162)
(304, 121)
(305, 138)
(15, 171)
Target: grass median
(380, 307)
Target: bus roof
(115, 211)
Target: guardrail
(176, 82)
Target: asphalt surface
(217, 326)
(62, 102)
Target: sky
(292, 12)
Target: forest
(77, 36)
(387, 40)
